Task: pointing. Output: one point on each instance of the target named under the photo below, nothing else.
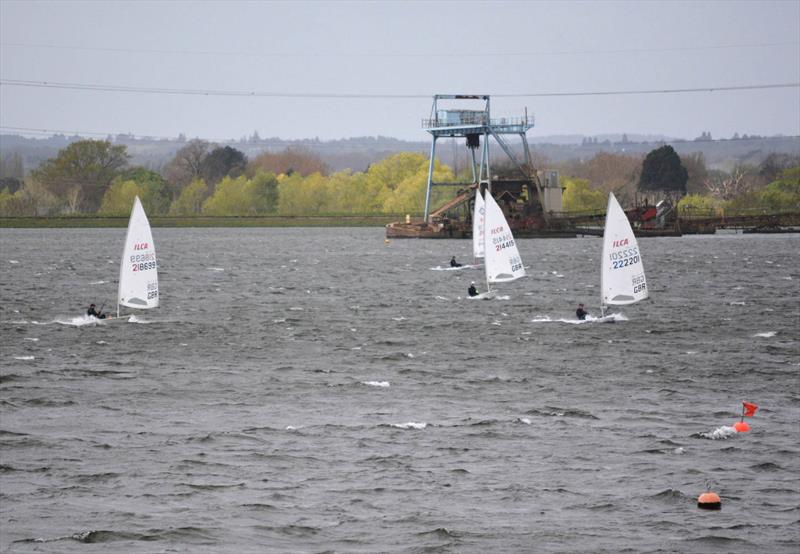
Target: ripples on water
(313, 390)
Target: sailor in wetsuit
(472, 291)
(95, 313)
(580, 312)
(454, 263)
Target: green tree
(698, 203)
(81, 173)
(264, 187)
(155, 194)
(578, 197)
(345, 191)
(190, 201)
(119, 197)
(784, 193)
(662, 171)
(243, 196)
(408, 195)
(222, 162)
(13, 184)
(395, 184)
(8, 205)
(695, 164)
(298, 195)
(31, 199)
(12, 166)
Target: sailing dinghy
(138, 271)
(622, 279)
(501, 256)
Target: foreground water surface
(320, 390)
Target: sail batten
(622, 279)
(138, 270)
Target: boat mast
(485, 239)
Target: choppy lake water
(319, 390)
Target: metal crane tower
(473, 124)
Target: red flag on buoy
(748, 409)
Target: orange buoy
(741, 427)
(709, 501)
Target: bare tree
(728, 187)
(186, 166)
(292, 160)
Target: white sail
(138, 271)
(502, 259)
(477, 225)
(622, 278)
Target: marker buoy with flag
(748, 410)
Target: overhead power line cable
(334, 95)
(378, 54)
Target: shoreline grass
(77, 221)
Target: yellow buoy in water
(709, 501)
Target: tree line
(773, 185)
(95, 177)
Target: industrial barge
(531, 199)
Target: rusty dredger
(531, 199)
(527, 198)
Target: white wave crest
(409, 425)
(449, 268)
(766, 334)
(375, 383)
(723, 432)
(80, 321)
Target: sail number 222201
(624, 257)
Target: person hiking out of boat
(472, 291)
(580, 312)
(95, 313)
(454, 263)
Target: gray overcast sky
(398, 48)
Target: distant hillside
(358, 153)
